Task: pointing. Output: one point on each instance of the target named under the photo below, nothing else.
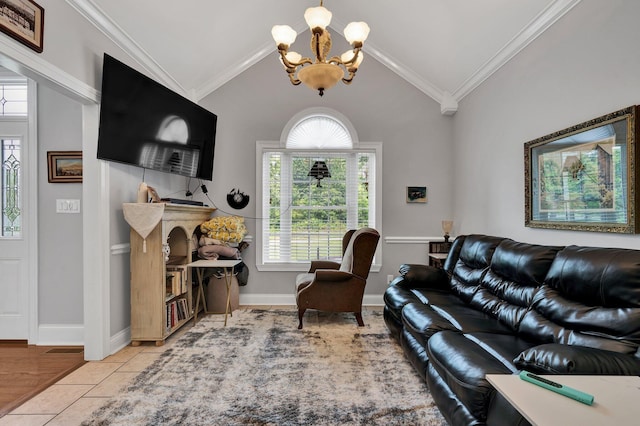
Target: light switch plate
(67, 206)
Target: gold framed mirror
(583, 177)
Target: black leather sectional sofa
(501, 306)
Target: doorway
(18, 261)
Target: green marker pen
(580, 396)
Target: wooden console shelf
(161, 299)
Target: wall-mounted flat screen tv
(148, 125)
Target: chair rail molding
(411, 240)
(122, 248)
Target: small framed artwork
(23, 20)
(416, 194)
(64, 166)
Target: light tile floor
(73, 398)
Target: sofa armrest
(323, 264)
(555, 358)
(422, 276)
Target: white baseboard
(290, 299)
(60, 335)
(73, 335)
(120, 340)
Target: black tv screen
(148, 125)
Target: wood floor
(26, 370)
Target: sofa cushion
(463, 360)
(594, 276)
(415, 283)
(570, 359)
(475, 255)
(590, 297)
(423, 321)
(516, 272)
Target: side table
(615, 399)
(227, 268)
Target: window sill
(297, 267)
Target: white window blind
(304, 221)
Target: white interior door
(18, 263)
(14, 254)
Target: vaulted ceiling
(445, 48)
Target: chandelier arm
(349, 79)
(292, 65)
(293, 79)
(356, 52)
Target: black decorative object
(319, 171)
(237, 200)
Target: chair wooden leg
(359, 319)
(300, 315)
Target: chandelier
(323, 73)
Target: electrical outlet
(389, 278)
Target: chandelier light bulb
(283, 34)
(356, 32)
(317, 17)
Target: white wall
(584, 66)
(257, 105)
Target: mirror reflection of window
(173, 129)
(170, 152)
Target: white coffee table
(616, 399)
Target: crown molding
(232, 71)
(99, 19)
(529, 33)
(448, 101)
(405, 72)
(399, 68)
(23, 61)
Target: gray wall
(584, 66)
(59, 234)
(257, 105)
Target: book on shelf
(177, 311)
(176, 281)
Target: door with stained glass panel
(14, 253)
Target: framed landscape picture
(583, 178)
(64, 166)
(23, 20)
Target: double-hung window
(304, 218)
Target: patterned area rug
(262, 370)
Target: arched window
(317, 183)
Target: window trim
(265, 146)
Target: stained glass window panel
(13, 99)
(11, 189)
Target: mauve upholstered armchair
(339, 287)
